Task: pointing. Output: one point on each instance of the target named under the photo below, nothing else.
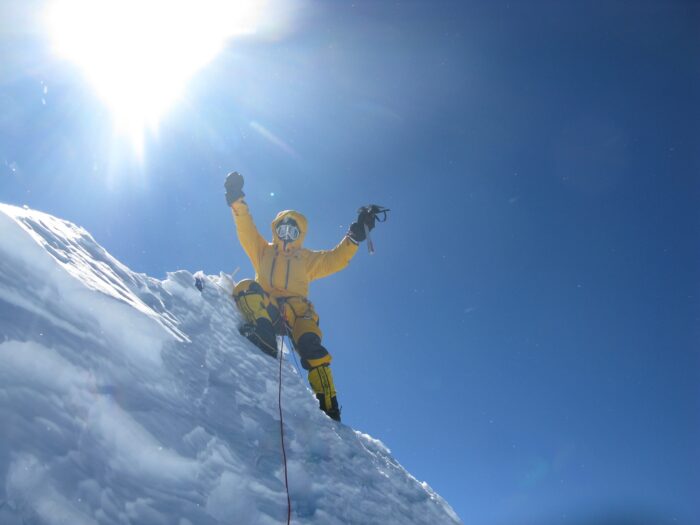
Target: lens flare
(139, 54)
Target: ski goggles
(287, 232)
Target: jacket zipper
(286, 279)
(272, 272)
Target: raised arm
(248, 234)
(326, 262)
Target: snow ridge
(129, 400)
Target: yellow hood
(301, 222)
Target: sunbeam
(139, 54)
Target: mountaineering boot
(261, 334)
(321, 381)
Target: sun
(139, 54)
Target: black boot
(333, 411)
(262, 335)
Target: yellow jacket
(285, 270)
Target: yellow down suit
(283, 271)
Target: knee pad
(254, 304)
(252, 301)
(248, 286)
(313, 353)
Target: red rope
(284, 452)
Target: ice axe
(372, 213)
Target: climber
(276, 301)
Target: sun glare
(139, 54)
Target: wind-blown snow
(129, 400)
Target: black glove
(234, 187)
(365, 216)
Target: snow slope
(129, 400)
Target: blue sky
(525, 338)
